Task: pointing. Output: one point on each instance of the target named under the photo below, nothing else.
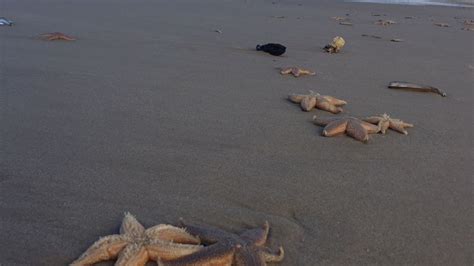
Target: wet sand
(154, 113)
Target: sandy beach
(153, 112)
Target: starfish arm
(327, 106)
(166, 250)
(403, 124)
(335, 127)
(296, 98)
(398, 127)
(334, 101)
(308, 103)
(372, 119)
(371, 129)
(207, 234)
(323, 121)
(307, 72)
(384, 124)
(105, 248)
(133, 254)
(270, 256)
(217, 254)
(285, 71)
(249, 256)
(171, 233)
(131, 227)
(357, 131)
(67, 38)
(256, 236)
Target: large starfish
(136, 246)
(296, 71)
(53, 36)
(352, 126)
(384, 122)
(323, 102)
(224, 248)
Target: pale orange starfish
(53, 36)
(136, 246)
(296, 71)
(384, 122)
(315, 100)
(351, 126)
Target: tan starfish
(135, 245)
(53, 36)
(315, 100)
(335, 46)
(224, 248)
(384, 122)
(352, 126)
(296, 71)
(385, 22)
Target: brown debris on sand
(415, 87)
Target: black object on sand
(415, 87)
(5, 22)
(275, 49)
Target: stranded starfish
(384, 122)
(352, 126)
(56, 36)
(135, 245)
(224, 248)
(323, 102)
(296, 71)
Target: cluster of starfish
(315, 100)
(170, 245)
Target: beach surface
(153, 112)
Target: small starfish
(352, 126)
(384, 122)
(323, 102)
(296, 71)
(385, 22)
(135, 245)
(224, 248)
(53, 36)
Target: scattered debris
(339, 18)
(371, 36)
(278, 17)
(378, 15)
(5, 22)
(385, 22)
(335, 46)
(445, 25)
(218, 31)
(469, 22)
(345, 23)
(275, 49)
(55, 36)
(410, 17)
(351, 126)
(384, 122)
(415, 87)
(296, 71)
(315, 100)
(468, 28)
(396, 40)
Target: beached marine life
(224, 248)
(351, 126)
(385, 122)
(296, 71)
(345, 23)
(414, 87)
(315, 100)
(469, 28)
(442, 24)
(396, 40)
(5, 22)
(275, 49)
(53, 36)
(469, 22)
(335, 46)
(385, 22)
(135, 245)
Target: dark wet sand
(152, 112)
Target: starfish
(224, 248)
(384, 122)
(352, 126)
(385, 22)
(323, 102)
(53, 36)
(296, 71)
(135, 245)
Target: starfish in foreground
(53, 36)
(323, 102)
(135, 245)
(296, 71)
(224, 248)
(385, 122)
(352, 126)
